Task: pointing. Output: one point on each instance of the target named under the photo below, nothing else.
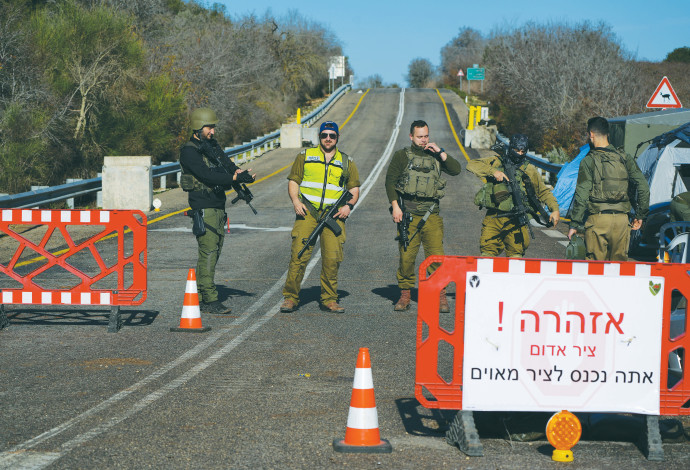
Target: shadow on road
(85, 317)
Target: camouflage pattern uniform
(505, 233)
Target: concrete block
(481, 137)
(291, 136)
(311, 135)
(127, 183)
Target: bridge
(263, 389)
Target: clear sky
(384, 37)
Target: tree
(420, 73)
(549, 78)
(372, 81)
(680, 54)
(88, 53)
(461, 52)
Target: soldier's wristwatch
(350, 205)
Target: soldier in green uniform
(414, 176)
(601, 205)
(505, 232)
(205, 178)
(318, 178)
(680, 207)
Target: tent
(631, 132)
(564, 190)
(666, 164)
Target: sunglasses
(328, 135)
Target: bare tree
(553, 76)
(420, 73)
(461, 52)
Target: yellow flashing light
(563, 431)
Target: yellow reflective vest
(323, 183)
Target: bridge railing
(242, 153)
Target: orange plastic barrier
(123, 269)
(433, 391)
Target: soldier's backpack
(610, 183)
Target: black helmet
(519, 142)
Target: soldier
(206, 174)
(680, 207)
(503, 228)
(318, 178)
(601, 205)
(413, 180)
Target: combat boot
(216, 307)
(404, 302)
(443, 302)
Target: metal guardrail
(242, 153)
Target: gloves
(245, 177)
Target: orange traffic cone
(191, 314)
(362, 432)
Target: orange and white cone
(191, 314)
(362, 432)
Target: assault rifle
(404, 225)
(326, 220)
(421, 223)
(244, 194)
(521, 210)
(214, 153)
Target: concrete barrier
(127, 183)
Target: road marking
(17, 457)
(553, 233)
(235, 226)
(452, 128)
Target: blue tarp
(567, 179)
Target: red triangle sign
(664, 96)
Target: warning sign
(534, 342)
(664, 96)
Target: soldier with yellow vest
(318, 178)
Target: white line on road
(235, 226)
(17, 457)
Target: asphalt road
(264, 389)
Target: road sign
(460, 73)
(664, 96)
(475, 73)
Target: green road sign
(475, 73)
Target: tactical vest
(189, 182)
(496, 195)
(610, 178)
(323, 183)
(422, 177)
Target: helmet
(519, 142)
(329, 125)
(576, 248)
(203, 117)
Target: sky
(384, 37)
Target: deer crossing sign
(664, 96)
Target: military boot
(404, 302)
(443, 302)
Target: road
(265, 389)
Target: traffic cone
(191, 314)
(362, 432)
